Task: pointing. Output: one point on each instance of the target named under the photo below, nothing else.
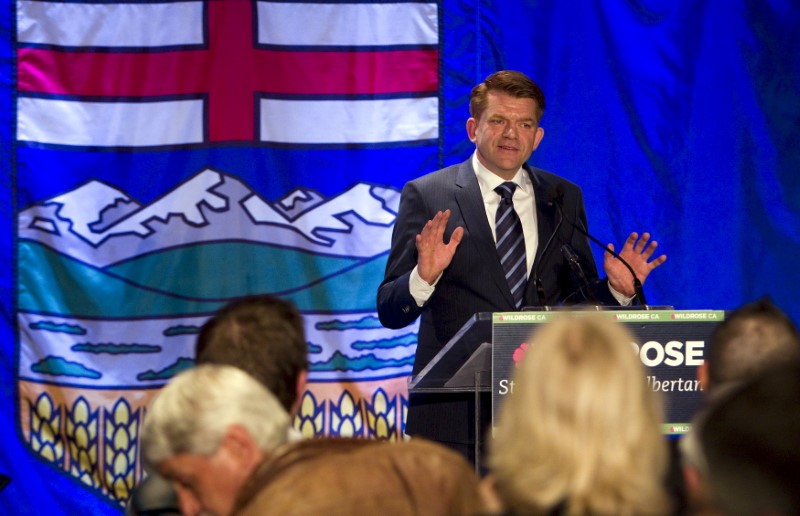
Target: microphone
(637, 285)
(554, 196)
(577, 269)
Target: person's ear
(241, 447)
(696, 490)
(472, 128)
(302, 380)
(537, 138)
(702, 376)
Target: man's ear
(302, 380)
(696, 489)
(472, 126)
(702, 376)
(537, 138)
(241, 447)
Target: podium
(463, 365)
(479, 359)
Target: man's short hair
(749, 443)
(192, 414)
(513, 83)
(752, 338)
(264, 336)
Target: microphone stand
(574, 263)
(637, 285)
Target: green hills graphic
(195, 279)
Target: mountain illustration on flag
(101, 225)
(198, 223)
(150, 274)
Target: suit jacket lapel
(470, 202)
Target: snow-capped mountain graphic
(101, 225)
(297, 202)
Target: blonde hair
(582, 429)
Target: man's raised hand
(433, 255)
(637, 253)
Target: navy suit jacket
(474, 281)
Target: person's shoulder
(550, 180)
(444, 175)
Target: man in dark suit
(446, 282)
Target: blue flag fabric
(676, 118)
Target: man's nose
(510, 131)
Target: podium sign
(670, 344)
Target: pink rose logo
(519, 353)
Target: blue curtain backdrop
(677, 117)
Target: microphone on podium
(554, 196)
(637, 285)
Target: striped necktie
(511, 242)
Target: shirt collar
(488, 180)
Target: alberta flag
(169, 157)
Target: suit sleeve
(396, 306)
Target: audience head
(207, 430)
(581, 431)
(752, 338)
(510, 82)
(264, 336)
(748, 458)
